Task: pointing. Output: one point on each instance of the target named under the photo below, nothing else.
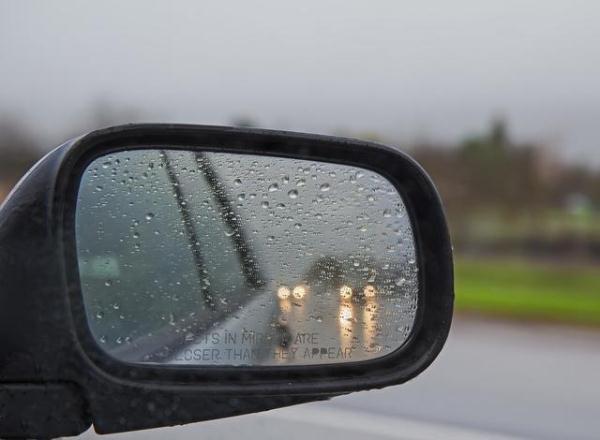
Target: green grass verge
(521, 289)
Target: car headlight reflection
(299, 292)
(346, 292)
(283, 292)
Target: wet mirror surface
(228, 259)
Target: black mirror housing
(48, 356)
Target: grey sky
(439, 70)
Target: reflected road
(324, 327)
(310, 326)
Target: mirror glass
(207, 258)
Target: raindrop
(241, 197)
(293, 194)
(273, 187)
(387, 213)
(237, 182)
(108, 283)
(265, 204)
(149, 216)
(400, 282)
(301, 182)
(325, 187)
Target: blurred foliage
(502, 196)
(244, 121)
(18, 152)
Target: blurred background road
(493, 380)
(528, 381)
(499, 101)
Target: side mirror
(156, 275)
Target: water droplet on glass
(108, 283)
(325, 187)
(237, 182)
(149, 216)
(241, 197)
(265, 204)
(273, 187)
(400, 282)
(301, 182)
(293, 194)
(387, 213)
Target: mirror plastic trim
(432, 245)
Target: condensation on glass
(227, 259)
